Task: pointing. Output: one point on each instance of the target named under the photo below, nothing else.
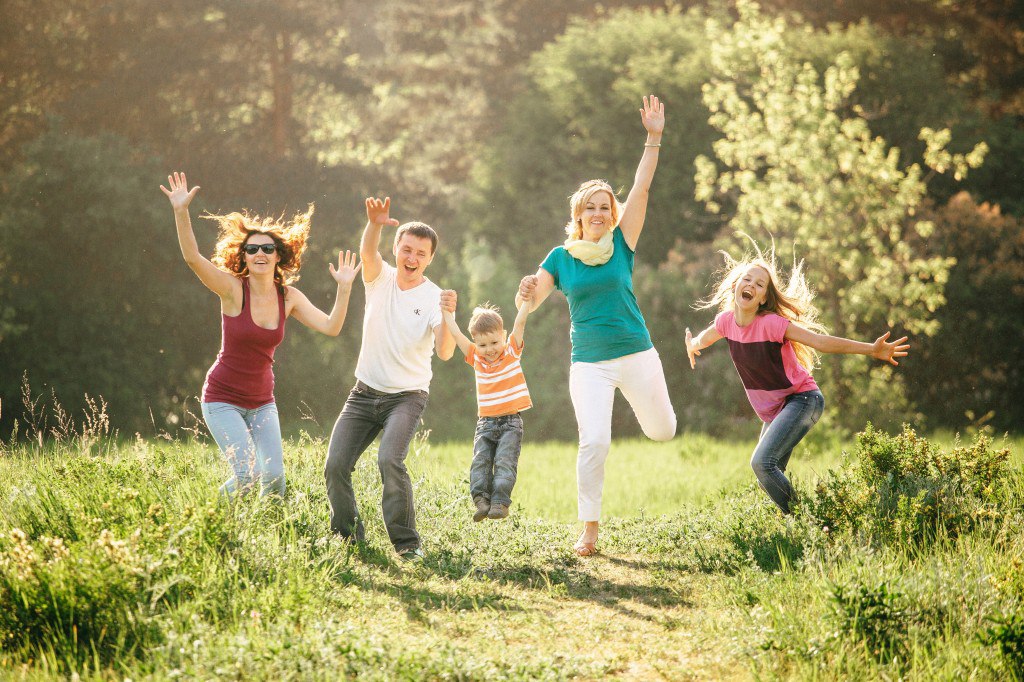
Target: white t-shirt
(398, 334)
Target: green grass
(698, 578)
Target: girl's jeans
(251, 442)
(496, 448)
(778, 438)
(592, 386)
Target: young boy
(501, 395)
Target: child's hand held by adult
(449, 300)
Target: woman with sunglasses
(254, 262)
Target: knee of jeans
(390, 460)
(759, 466)
(335, 468)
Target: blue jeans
(368, 412)
(251, 442)
(496, 448)
(778, 438)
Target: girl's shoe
(483, 506)
(498, 511)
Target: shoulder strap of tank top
(280, 303)
(245, 291)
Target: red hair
(234, 230)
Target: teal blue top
(605, 319)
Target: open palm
(347, 268)
(179, 194)
(653, 114)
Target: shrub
(903, 490)
(875, 616)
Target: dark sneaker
(498, 511)
(483, 505)
(415, 555)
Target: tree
(975, 371)
(802, 166)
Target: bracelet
(652, 145)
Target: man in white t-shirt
(402, 327)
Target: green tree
(800, 163)
(97, 282)
(975, 371)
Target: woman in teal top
(611, 347)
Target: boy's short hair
(486, 319)
(418, 229)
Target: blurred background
(799, 121)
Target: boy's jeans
(367, 412)
(778, 438)
(251, 442)
(496, 448)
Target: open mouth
(746, 296)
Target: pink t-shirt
(765, 361)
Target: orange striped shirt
(500, 385)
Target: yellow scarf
(592, 253)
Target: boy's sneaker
(483, 506)
(413, 555)
(498, 511)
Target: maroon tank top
(243, 373)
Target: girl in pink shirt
(773, 338)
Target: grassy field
(117, 560)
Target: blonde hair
(234, 230)
(578, 201)
(791, 300)
(485, 320)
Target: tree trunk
(281, 76)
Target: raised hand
(526, 286)
(377, 211)
(691, 351)
(179, 194)
(347, 268)
(449, 300)
(653, 115)
(888, 352)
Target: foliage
(800, 164)
(904, 491)
(980, 359)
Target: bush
(904, 490)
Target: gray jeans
(778, 438)
(368, 412)
(496, 448)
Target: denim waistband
(503, 419)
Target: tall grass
(117, 558)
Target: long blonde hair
(235, 230)
(578, 201)
(791, 300)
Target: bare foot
(587, 544)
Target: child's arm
(448, 312)
(695, 345)
(880, 349)
(519, 326)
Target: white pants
(592, 386)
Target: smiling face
(596, 217)
(751, 289)
(490, 344)
(412, 256)
(260, 263)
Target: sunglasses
(253, 249)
